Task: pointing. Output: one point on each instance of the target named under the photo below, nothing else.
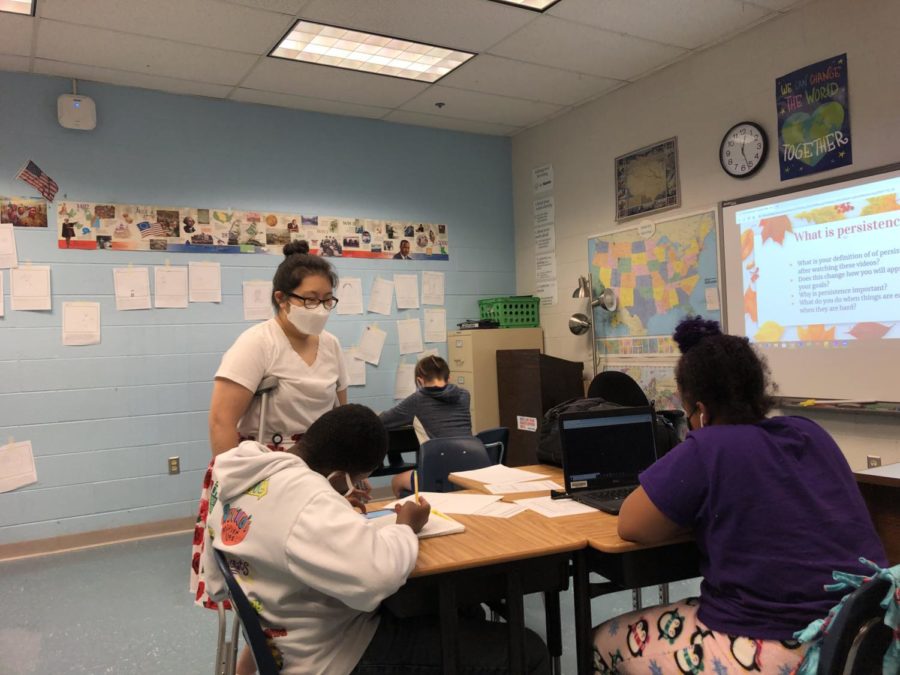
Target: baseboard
(115, 535)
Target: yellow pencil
(416, 484)
(438, 513)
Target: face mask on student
(308, 321)
(347, 480)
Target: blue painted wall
(103, 419)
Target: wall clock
(743, 150)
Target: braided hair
(723, 372)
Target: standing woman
(291, 346)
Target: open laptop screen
(606, 448)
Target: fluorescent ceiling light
(380, 54)
(18, 6)
(536, 5)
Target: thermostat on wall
(76, 112)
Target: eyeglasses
(312, 303)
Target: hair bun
(692, 329)
(299, 246)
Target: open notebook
(437, 525)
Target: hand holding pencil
(414, 513)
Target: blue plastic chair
(495, 441)
(249, 620)
(440, 457)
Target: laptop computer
(603, 452)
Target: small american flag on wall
(32, 174)
(148, 229)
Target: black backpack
(549, 450)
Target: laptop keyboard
(608, 500)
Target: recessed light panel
(366, 52)
(18, 6)
(536, 5)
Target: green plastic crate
(517, 311)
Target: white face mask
(350, 486)
(308, 321)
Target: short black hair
(348, 438)
(432, 368)
(723, 372)
(296, 266)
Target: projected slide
(823, 268)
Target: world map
(658, 279)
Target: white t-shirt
(304, 392)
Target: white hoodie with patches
(315, 569)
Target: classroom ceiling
(529, 66)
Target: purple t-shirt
(775, 509)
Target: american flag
(148, 229)
(37, 179)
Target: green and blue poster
(814, 119)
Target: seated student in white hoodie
(317, 570)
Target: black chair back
(253, 632)
(440, 457)
(858, 637)
(495, 441)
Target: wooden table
(494, 558)
(625, 563)
(880, 487)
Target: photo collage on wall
(128, 227)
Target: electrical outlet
(872, 461)
(174, 465)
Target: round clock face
(743, 149)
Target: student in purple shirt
(774, 509)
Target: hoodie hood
(449, 393)
(241, 468)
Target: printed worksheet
(81, 323)
(132, 288)
(371, 344)
(435, 325)
(205, 282)
(382, 296)
(1, 293)
(409, 333)
(356, 367)
(29, 288)
(407, 288)
(432, 288)
(405, 384)
(171, 287)
(8, 257)
(16, 466)
(350, 296)
(257, 300)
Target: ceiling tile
(473, 105)
(495, 75)
(563, 44)
(204, 22)
(473, 25)
(470, 126)
(333, 84)
(18, 63)
(307, 103)
(781, 5)
(15, 34)
(126, 79)
(107, 49)
(282, 6)
(686, 23)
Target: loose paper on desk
(205, 282)
(407, 288)
(132, 287)
(409, 334)
(81, 323)
(257, 300)
(432, 288)
(501, 510)
(499, 473)
(530, 486)
(457, 503)
(381, 297)
(16, 466)
(170, 287)
(405, 383)
(350, 296)
(370, 344)
(29, 288)
(356, 367)
(554, 508)
(8, 258)
(437, 526)
(435, 325)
